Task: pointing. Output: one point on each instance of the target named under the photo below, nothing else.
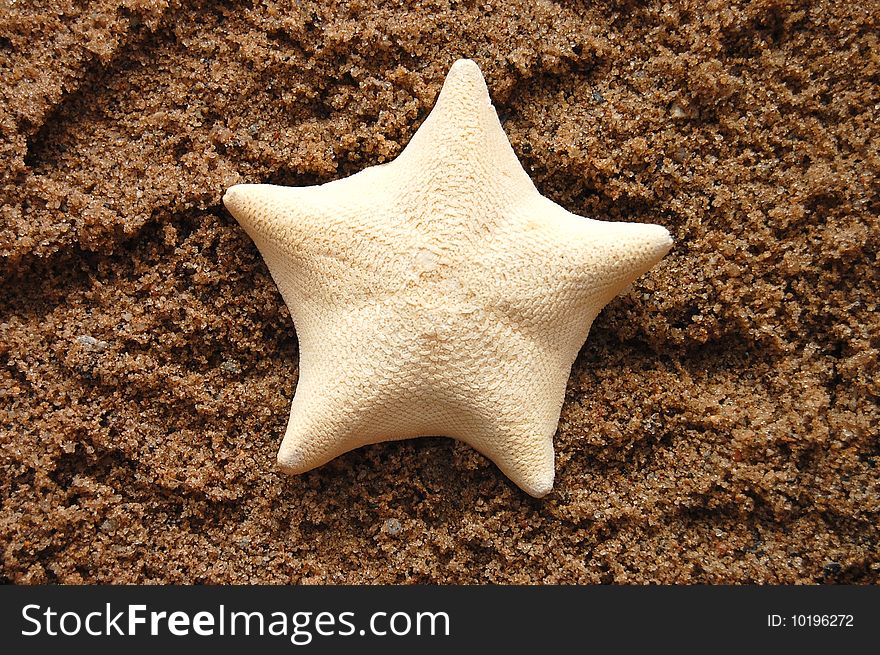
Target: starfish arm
(300, 232)
(326, 422)
(284, 216)
(602, 258)
(505, 394)
(351, 389)
(559, 267)
(518, 438)
(309, 222)
(461, 149)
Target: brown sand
(720, 425)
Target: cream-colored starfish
(438, 294)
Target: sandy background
(720, 425)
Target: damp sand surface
(719, 426)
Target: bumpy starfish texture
(438, 294)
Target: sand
(720, 425)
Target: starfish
(439, 293)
